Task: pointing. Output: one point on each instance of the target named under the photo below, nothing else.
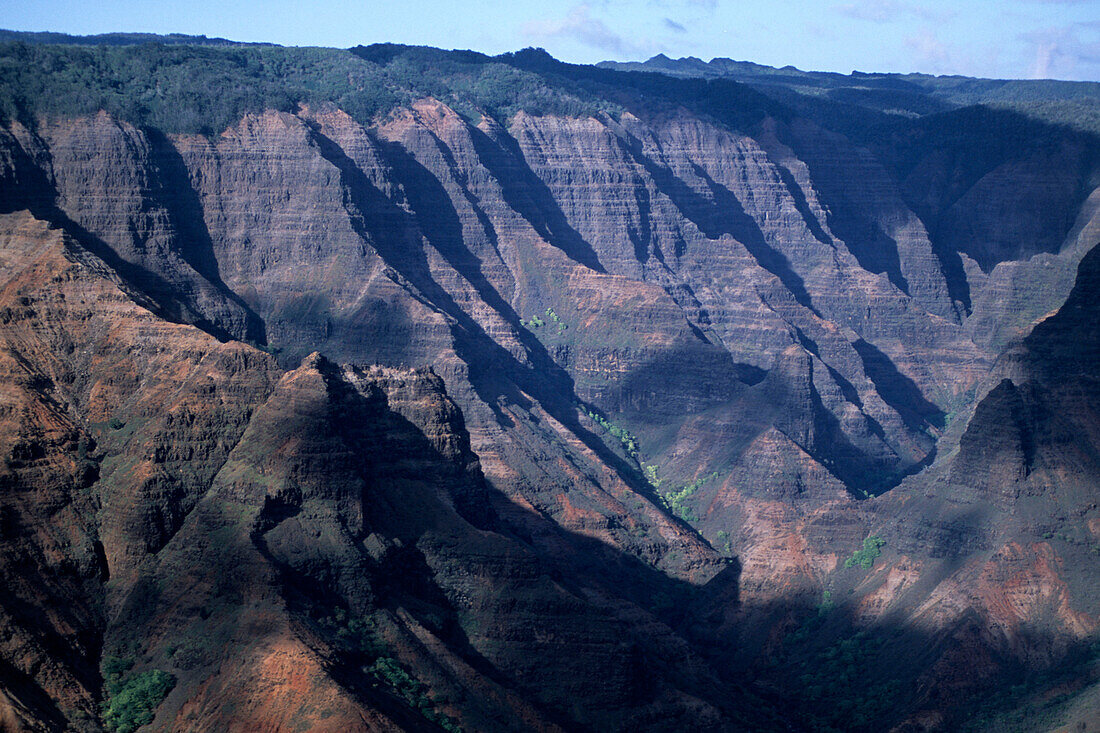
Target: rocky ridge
(669, 342)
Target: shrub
(359, 634)
(414, 692)
(651, 476)
(114, 667)
(675, 499)
(629, 442)
(865, 557)
(837, 690)
(132, 702)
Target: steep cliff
(617, 342)
(326, 535)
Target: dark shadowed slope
(624, 329)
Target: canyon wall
(539, 422)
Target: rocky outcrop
(430, 220)
(438, 421)
(326, 536)
(90, 371)
(1007, 516)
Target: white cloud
(1065, 52)
(931, 53)
(708, 6)
(889, 11)
(580, 25)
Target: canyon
(648, 399)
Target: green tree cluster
(624, 436)
(676, 500)
(359, 636)
(866, 555)
(132, 700)
(195, 88)
(414, 692)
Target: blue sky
(995, 38)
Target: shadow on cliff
(935, 160)
(534, 584)
(798, 196)
(896, 389)
(826, 671)
(173, 191)
(494, 373)
(21, 687)
(792, 662)
(435, 216)
(721, 214)
(150, 289)
(805, 661)
(525, 193)
(859, 468)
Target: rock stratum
(696, 408)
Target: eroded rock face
(567, 318)
(212, 519)
(1008, 517)
(117, 421)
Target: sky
(1020, 39)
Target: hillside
(394, 388)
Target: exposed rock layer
(759, 325)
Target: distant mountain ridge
(914, 94)
(115, 39)
(952, 86)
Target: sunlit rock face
(599, 422)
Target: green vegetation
(836, 683)
(661, 603)
(629, 442)
(357, 633)
(132, 700)
(359, 636)
(114, 667)
(190, 653)
(537, 322)
(865, 556)
(115, 424)
(838, 689)
(559, 322)
(87, 461)
(183, 88)
(388, 672)
(1038, 700)
(722, 541)
(675, 499)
